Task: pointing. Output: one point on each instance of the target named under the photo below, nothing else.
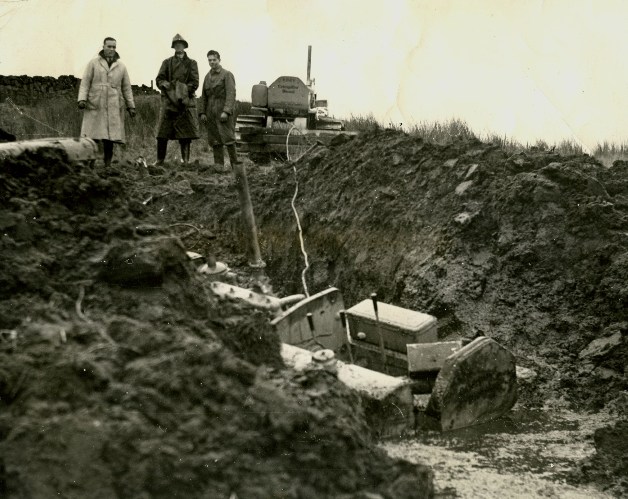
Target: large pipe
(289, 300)
(242, 183)
(82, 149)
(309, 63)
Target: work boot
(107, 146)
(219, 157)
(162, 149)
(185, 151)
(233, 154)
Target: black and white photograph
(310, 249)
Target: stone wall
(27, 89)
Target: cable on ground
(296, 215)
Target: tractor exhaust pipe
(309, 64)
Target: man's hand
(132, 112)
(165, 85)
(82, 104)
(203, 118)
(224, 117)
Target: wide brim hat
(178, 38)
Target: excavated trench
(530, 249)
(123, 375)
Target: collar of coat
(217, 70)
(184, 58)
(116, 56)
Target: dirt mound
(530, 248)
(121, 375)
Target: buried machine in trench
(392, 357)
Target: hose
(296, 215)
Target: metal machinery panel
(290, 94)
(399, 326)
(293, 328)
(430, 357)
(369, 356)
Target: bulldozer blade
(476, 384)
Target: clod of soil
(122, 375)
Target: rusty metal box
(399, 326)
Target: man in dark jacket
(217, 108)
(178, 80)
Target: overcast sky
(529, 69)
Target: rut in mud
(122, 375)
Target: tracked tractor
(286, 116)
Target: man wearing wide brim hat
(178, 80)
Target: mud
(122, 375)
(530, 249)
(608, 467)
(527, 453)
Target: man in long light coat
(104, 92)
(178, 80)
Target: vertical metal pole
(309, 63)
(248, 218)
(343, 319)
(379, 332)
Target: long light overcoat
(107, 91)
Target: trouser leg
(233, 154)
(162, 149)
(107, 146)
(219, 154)
(185, 150)
(213, 139)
